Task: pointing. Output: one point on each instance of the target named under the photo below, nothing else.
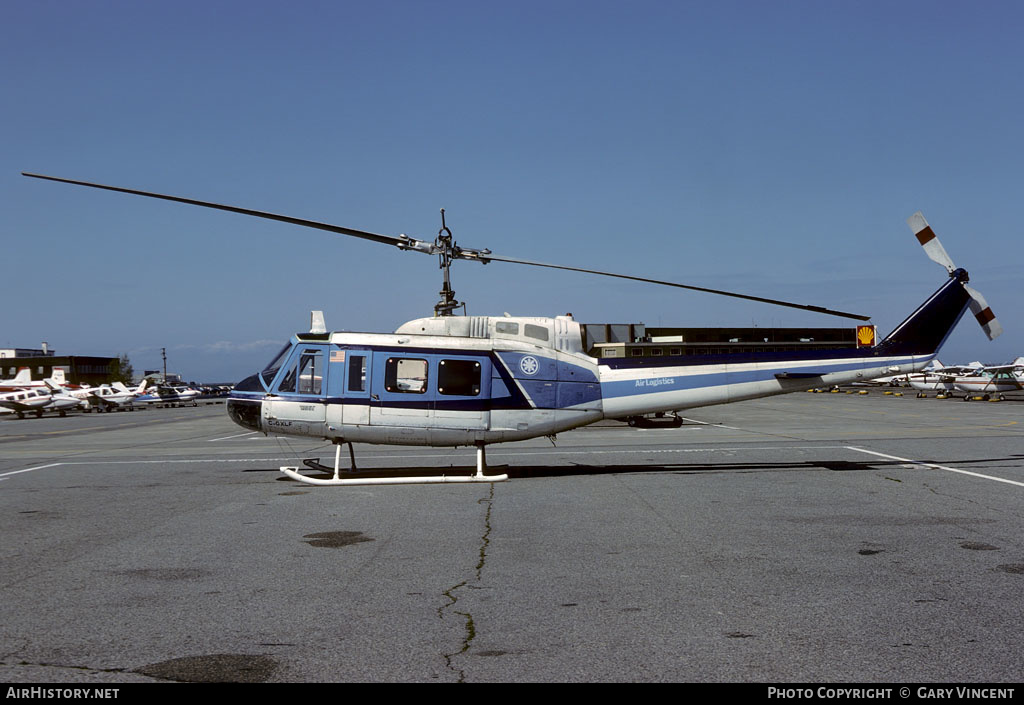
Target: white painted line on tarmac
(237, 435)
(38, 467)
(707, 423)
(938, 467)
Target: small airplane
(36, 400)
(478, 380)
(108, 397)
(170, 395)
(63, 401)
(24, 401)
(32, 396)
(975, 380)
(934, 378)
(990, 380)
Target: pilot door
(348, 387)
(297, 401)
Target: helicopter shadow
(583, 469)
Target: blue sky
(772, 148)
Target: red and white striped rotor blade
(926, 236)
(983, 314)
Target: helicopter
(460, 380)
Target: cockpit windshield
(270, 370)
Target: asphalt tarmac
(806, 538)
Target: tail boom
(643, 386)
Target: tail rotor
(937, 253)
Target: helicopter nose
(246, 413)
(243, 409)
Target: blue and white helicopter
(454, 380)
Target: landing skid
(481, 464)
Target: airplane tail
(24, 376)
(142, 386)
(56, 381)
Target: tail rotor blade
(983, 314)
(932, 247)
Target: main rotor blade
(386, 239)
(407, 243)
(776, 302)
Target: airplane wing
(999, 368)
(96, 398)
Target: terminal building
(78, 369)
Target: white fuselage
(424, 385)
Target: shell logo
(865, 336)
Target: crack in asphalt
(469, 625)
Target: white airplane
(973, 379)
(22, 401)
(989, 380)
(32, 396)
(108, 397)
(934, 378)
(169, 395)
(62, 402)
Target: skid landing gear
(370, 479)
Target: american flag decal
(337, 356)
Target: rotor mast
(445, 251)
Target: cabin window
(637, 352)
(288, 381)
(311, 372)
(305, 375)
(271, 369)
(675, 351)
(656, 352)
(357, 373)
(536, 332)
(506, 327)
(405, 375)
(458, 378)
